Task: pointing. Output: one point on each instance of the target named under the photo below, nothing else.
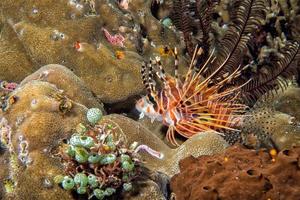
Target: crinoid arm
(282, 70)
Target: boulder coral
(40, 33)
(47, 108)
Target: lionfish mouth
(194, 103)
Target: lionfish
(190, 104)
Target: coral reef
(65, 80)
(239, 173)
(70, 130)
(37, 125)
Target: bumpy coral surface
(239, 173)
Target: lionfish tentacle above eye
(176, 63)
(148, 81)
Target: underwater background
(150, 99)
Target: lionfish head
(147, 108)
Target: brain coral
(239, 173)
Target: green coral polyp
(127, 187)
(82, 141)
(81, 155)
(127, 166)
(109, 191)
(70, 151)
(81, 179)
(86, 142)
(94, 158)
(81, 190)
(68, 183)
(125, 157)
(75, 140)
(94, 115)
(99, 194)
(93, 181)
(111, 146)
(108, 159)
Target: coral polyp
(193, 104)
(96, 164)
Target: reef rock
(239, 173)
(149, 191)
(288, 102)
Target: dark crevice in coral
(154, 8)
(268, 185)
(207, 188)
(126, 107)
(286, 152)
(2, 150)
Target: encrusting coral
(239, 173)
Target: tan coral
(207, 143)
(42, 128)
(14, 62)
(67, 81)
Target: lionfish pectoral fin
(171, 136)
(152, 119)
(142, 115)
(219, 133)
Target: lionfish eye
(166, 50)
(151, 99)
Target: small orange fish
(273, 154)
(165, 51)
(120, 55)
(78, 46)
